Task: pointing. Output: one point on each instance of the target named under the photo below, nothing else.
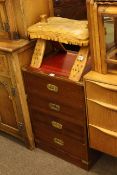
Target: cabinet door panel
(4, 27)
(4, 69)
(7, 113)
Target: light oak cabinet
(101, 99)
(14, 116)
(17, 15)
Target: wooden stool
(61, 30)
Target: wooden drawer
(4, 70)
(58, 109)
(53, 88)
(59, 125)
(59, 141)
(103, 140)
(102, 92)
(102, 115)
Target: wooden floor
(16, 159)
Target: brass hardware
(52, 87)
(10, 97)
(13, 91)
(54, 107)
(20, 126)
(56, 125)
(58, 141)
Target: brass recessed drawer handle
(56, 125)
(58, 141)
(54, 107)
(52, 87)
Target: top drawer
(105, 93)
(54, 88)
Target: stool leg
(38, 53)
(79, 64)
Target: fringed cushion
(62, 30)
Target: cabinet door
(4, 25)
(8, 113)
(8, 27)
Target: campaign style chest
(57, 111)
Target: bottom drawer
(103, 140)
(59, 141)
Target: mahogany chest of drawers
(74, 9)
(57, 110)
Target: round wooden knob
(43, 18)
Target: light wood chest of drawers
(101, 98)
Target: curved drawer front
(102, 115)
(60, 142)
(59, 125)
(103, 140)
(101, 92)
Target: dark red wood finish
(71, 117)
(73, 9)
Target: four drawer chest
(57, 110)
